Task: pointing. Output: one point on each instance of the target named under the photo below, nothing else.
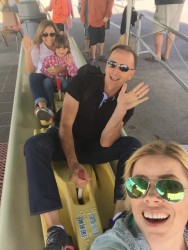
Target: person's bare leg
(101, 48)
(120, 206)
(169, 42)
(86, 45)
(93, 51)
(52, 218)
(158, 37)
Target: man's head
(120, 66)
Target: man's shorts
(168, 14)
(96, 35)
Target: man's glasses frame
(122, 67)
(170, 190)
(44, 35)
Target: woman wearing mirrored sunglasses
(156, 181)
(35, 52)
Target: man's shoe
(151, 59)
(57, 239)
(43, 113)
(164, 58)
(93, 62)
(102, 59)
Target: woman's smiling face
(157, 218)
(49, 40)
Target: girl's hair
(42, 26)
(61, 41)
(170, 149)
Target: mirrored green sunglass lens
(136, 187)
(170, 190)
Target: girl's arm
(71, 66)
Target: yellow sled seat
(84, 222)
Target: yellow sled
(84, 218)
(84, 222)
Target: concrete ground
(164, 116)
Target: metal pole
(128, 20)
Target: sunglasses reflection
(169, 190)
(122, 67)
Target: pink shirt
(54, 60)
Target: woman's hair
(61, 41)
(42, 26)
(170, 149)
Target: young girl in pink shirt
(61, 64)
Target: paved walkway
(164, 116)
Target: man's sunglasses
(122, 67)
(48, 34)
(169, 190)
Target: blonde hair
(170, 149)
(42, 26)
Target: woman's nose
(152, 194)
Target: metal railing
(167, 29)
(137, 35)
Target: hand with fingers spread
(27, 43)
(69, 59)
(79, 176)
(133, 98)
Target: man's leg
(169, 42)
(120, 150)
(44, 198)
(101, 38)
(57, 238)
(101, 48)
(39, 151)
(52, 218)
(158, 37)
(93, 51)
(92, 31)
(86, 45)
(86, 40)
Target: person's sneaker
(57, 239)
(93, 62)
(102, 59)
(43, 113)
(112, 222)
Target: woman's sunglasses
(48, 34)
(169, 190)
(122, 67)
